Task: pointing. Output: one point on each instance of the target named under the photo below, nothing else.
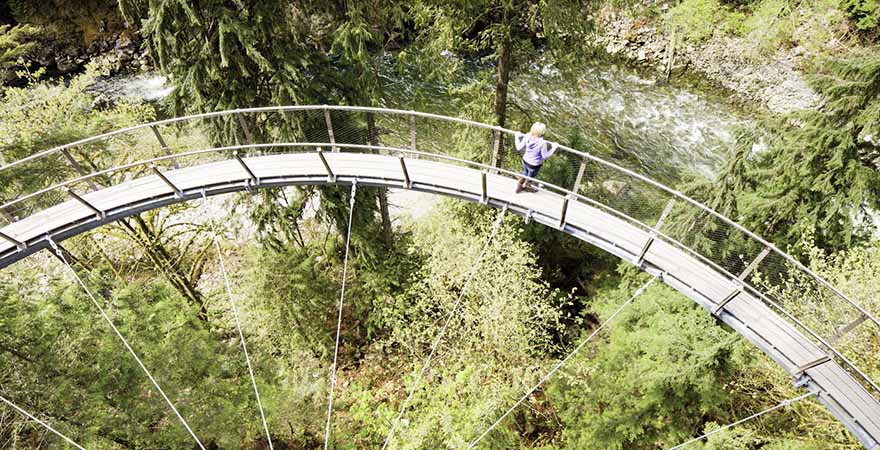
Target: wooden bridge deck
(854, 406)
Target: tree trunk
(501, 95)
(387, 236)
(162, 260)
(386, 218)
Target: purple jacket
(536, 150)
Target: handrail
(800, 266)
(585, 155)
(626, 217)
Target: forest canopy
(452, 310)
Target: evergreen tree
(223, 55)
(509, 33)
(819, 169)
(14, 48)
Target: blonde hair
(538, 129)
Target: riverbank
(760, 56)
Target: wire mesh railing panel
(32, 176)
(179, 137)
(177, 144)
(453, 139)
(199, 158)
(34, 204)
(393, 130)
(621, 192)
(803, 296)
(711, 237)
(350, 127)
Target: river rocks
(775, 83)
(73, 32)
(615, 187)
(62, 57)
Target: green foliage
(495, 343)
(663, 358)
(735, 24)
(15, 45)
(60, 357)
(819, 170)
(695, 19)
(47, 114)
(227, 56)
(865, 13)
(770, 26)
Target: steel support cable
(458, 121)
(44, 424)
(91, 296)
(562, 362)
(442, 332)
(339, 318)
(781, 404)
(247, 357)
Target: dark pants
(530, 170)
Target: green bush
(735, 24)
(770, 27)
(864, 13)
(696, 19)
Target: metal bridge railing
(830, 317)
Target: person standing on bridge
(534, 149)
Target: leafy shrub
(770, 27)
(696, 19)
(864, 13)
(735, 24)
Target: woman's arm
(545, 153)
(519, 141)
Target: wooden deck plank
(612, 228)
(841, 385)
(767, 323)
(786, 343)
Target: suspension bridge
(665, 233)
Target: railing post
(407, 182)
(496, 149)
(177, 192)
(485, 197)
(844, 330)
(8, 215)
(78, 168)
(19, 244)
(564, 212)
(580, 176)
(330, 130)
(754, 264)
(244, 127)
(652, 235)
(247, 169)
(99, 213)
(412, 132)
(331, 177)
(164, 145)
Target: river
(656, 128)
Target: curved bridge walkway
(815, 366)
